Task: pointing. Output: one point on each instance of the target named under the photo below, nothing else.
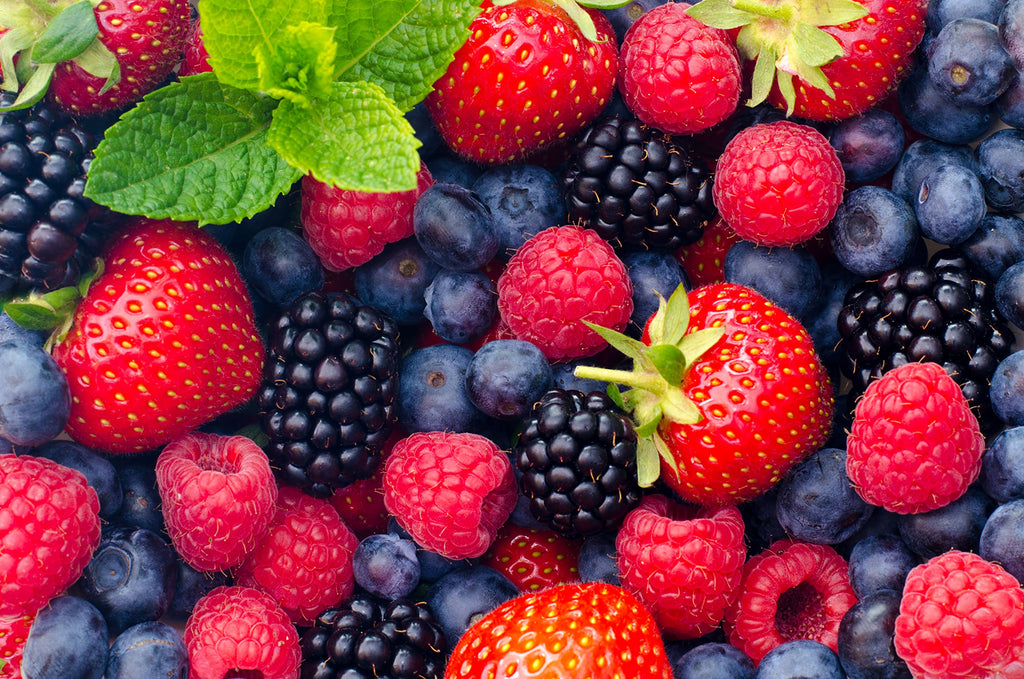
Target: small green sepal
(669, 361)
(624, 344)
(648, 462)
(67, 35)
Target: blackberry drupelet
(637, 186)
(367, 638)
(328, 397)
(49, 231)
(943, 312)
(577, 459)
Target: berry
(1007, 389)
(523, 199)
(141, 505)
(191, 586)
(36, 402)
(98, 471)
(800, 657)
(455, 228)
(868, 145)
(997, 245)
(652, 274)
(1002, 541)
(1000, 168)
(461, 305)
(194, 57)
(280, 265)
(360, 504)
(1009, 293)
(950, 204)
(13, 633)
(1002, 466)
(788, 276)
(146, 650)
(432, 394)
(714, 660)
(396, 281)
(958, 525)
(865, 645)
(597, 560)
(967, 61)
(464, 595)
(68, 638)
(533, 558)
(923, 156)
(704, 260)
(879, 562)
(217, 496)
(930, 112)
(386, 565)
(941, 12)
(873, 230)
(506, 377)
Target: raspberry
(49, 527)
(914, 445)
(13, 634)
(778, 183)
(961, 616)
(450, 491)
(243, 631)
(556, 280)
(684, 563)
(792, 590)
(348, 228)
(217, 496)
(305, 560)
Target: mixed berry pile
(520, 339)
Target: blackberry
(942, 312)
(49, 230)
(365, 638)
(637, 187)
(327, 400)
(577, 459)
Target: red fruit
(360, 504)
(164, 340)
(13, 634)
(49, 527)
(704, 261)
(533, 558)
(526, 77)
(778, 183)
(348, 228)
(305, 559)
(241, 631)
(583, 630)
(195, 59)
(961, 616)
(556, 280)
(792, 590)
(217, 496)
(683, 563)
(677, 74)
(915, 445)
(450, 491)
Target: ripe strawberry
(533, 558)
(13, 634)
(728, 392)
(704, 261)
(528, 76)
(163, 341)
(583, 630)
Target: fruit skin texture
(778, 183)
(914, 445)
(217, 497)
(683, 563)
(961, 616)
(525, 78)
(704, 261)
(533, 558)
(677, 74)
(49, 528)
(163, 341)
(450, 491)
(584, 630)
(556, 280)
(13, 633)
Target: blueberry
(67, 640)
(1010, 104)
(563, 376)
(966, 60)
(455, 228)
(432, 393)
(396, 280)
(1011, 31)
(958, 525)
(1002, 466)
(524, 200)
(713, 660)
(1002, 540)
(941, 12)
(873, 230)
(651, 273)
(35, 401)
(596, 561)
(931, 112)
(425, 130)
(149, 650)
(621, 18)
(1009, 294)
(386, 565)
(447, 168)
(461, 305)
(800, 659)
(98, 471)
(465, 595)
(1001, 168)
(923, 156)
(506, 377)
(191, 586)
(836, 281)
(433, 566)
(9, 330)
(280, 265)
(880, 562)
(1007, 389)
(996, 245)
(866, 631)
(141, 503)
(790, 277)
(868, 145)
(950, 204)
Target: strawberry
(728, 392)
(704, 261)
(163, 341)
(528, 76)
(533, 558)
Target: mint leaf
(355, 139)
(193, 150)
(301, 68)
(67, 35)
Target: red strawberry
(704, 261)
(533, 558)
(13, 634)
(584, 630)
(527, 76)
(163, 341)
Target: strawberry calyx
(654, 393)
(53, 310)
(577, 12)
(784, 38)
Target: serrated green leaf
(648, 462)
(355, 139)
(100, 62)
(67, 35)
(668, 361)
(206, 155)
(720, 14)
(815, 46)
(624, 344)
(831, 13)
(301, 66)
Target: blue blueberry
(941, 12)
(563, 376)
(873, 230)
(433, 566)
(140, 505)
(98, 471)
(462, 596)
(1010, 104)
(455, 228)
(1002, 466)
(966, 60)
(396, 280)
(621, 18)
(506, 377)
(931, 112)
(524, 200)
(280, 265)
(35, 401)
(950, 204)
(996, 245)
(879, 562)
(191, 586)
(800, 659)
(923, 156)
(461, 305)
(714, 660)
(425, 130)
(790, 277)
(1007, 389)
(836, 281)
(149, 650)
(868, 145)
(9, 330)
(386, 565)
(651, 273)
(596, 560)
(67, 640)
(447, 168)
(1001, 168)
(432, 393)
(957, 525)
(1011, 31)
(866, 631)
(1009, 294)
(1002, 540)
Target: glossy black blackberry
(49, 231)
(943, 312)
(636, 186)
(577, 461)
(328, 397)
(365, 638)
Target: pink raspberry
(450, 491)
(305, 560)
(217, 495)
(556, 280)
